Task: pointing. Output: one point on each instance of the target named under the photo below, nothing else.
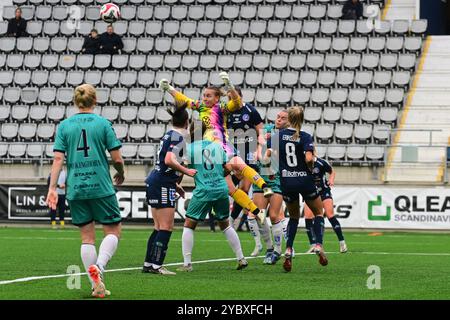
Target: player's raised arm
(180, 98)
(235, 102)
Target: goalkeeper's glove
(164, 85)
(226, 80)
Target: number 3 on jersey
(83, 143)
(291, 158)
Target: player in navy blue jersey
(244, 127)
(324, 184)
(162, 186)
(294, 150)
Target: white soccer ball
(110, 12)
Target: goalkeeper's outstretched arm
(180, 98)
(235, 102)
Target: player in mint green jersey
(275, 201)
(210, 193)
(83, 140)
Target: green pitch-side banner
(27, 202)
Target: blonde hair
(295, 118)
(217, 91)
(85, 96)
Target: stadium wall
(135, 175)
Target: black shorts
(308, 192)
(161, 196)
(326, 194)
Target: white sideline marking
(215, 260)
(114, 270)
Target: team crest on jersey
(245, 117)
(316, 170)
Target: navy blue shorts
(308, 192)
(161, 196)
(326, 194)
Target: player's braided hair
(295, 118)
(84, 96)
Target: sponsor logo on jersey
(293, 174)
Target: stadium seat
(19, 113)
(419, 27)
(64, 96)
(17, 150)
(300, 12)
(275, 28)
(14, 61)
(128, 113)
(355, 153)
(343, 133)
(118, 96)
(47, 95)
(128, 78)
(370, 114)
(156, 131)
(120, 61)
(357, 97)
(382, 78)
(326, 78)
(9, 131)
(93, 77)
(75, 45)
(11, 95)
(102, 61)
(324, 133)
(121, 130)
(328, 27)
(332, 114)
(313, 114)
(336, 152)
(374, 153)
(363, 78)
(24, 45)
(5, 111)
(38, 113)
(85, 61)
(338, 97)
(137, 62)
(45, 131)
(146, 114)
(381, 134)
(56, 113)
(34, 150)
(340, 44)
(363, 133)
(110, 78)
(301, 96)
(6, 78)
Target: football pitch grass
(412, 266)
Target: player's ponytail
(295, 118)
(180, 116)
(85, 96)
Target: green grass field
(413, 266)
